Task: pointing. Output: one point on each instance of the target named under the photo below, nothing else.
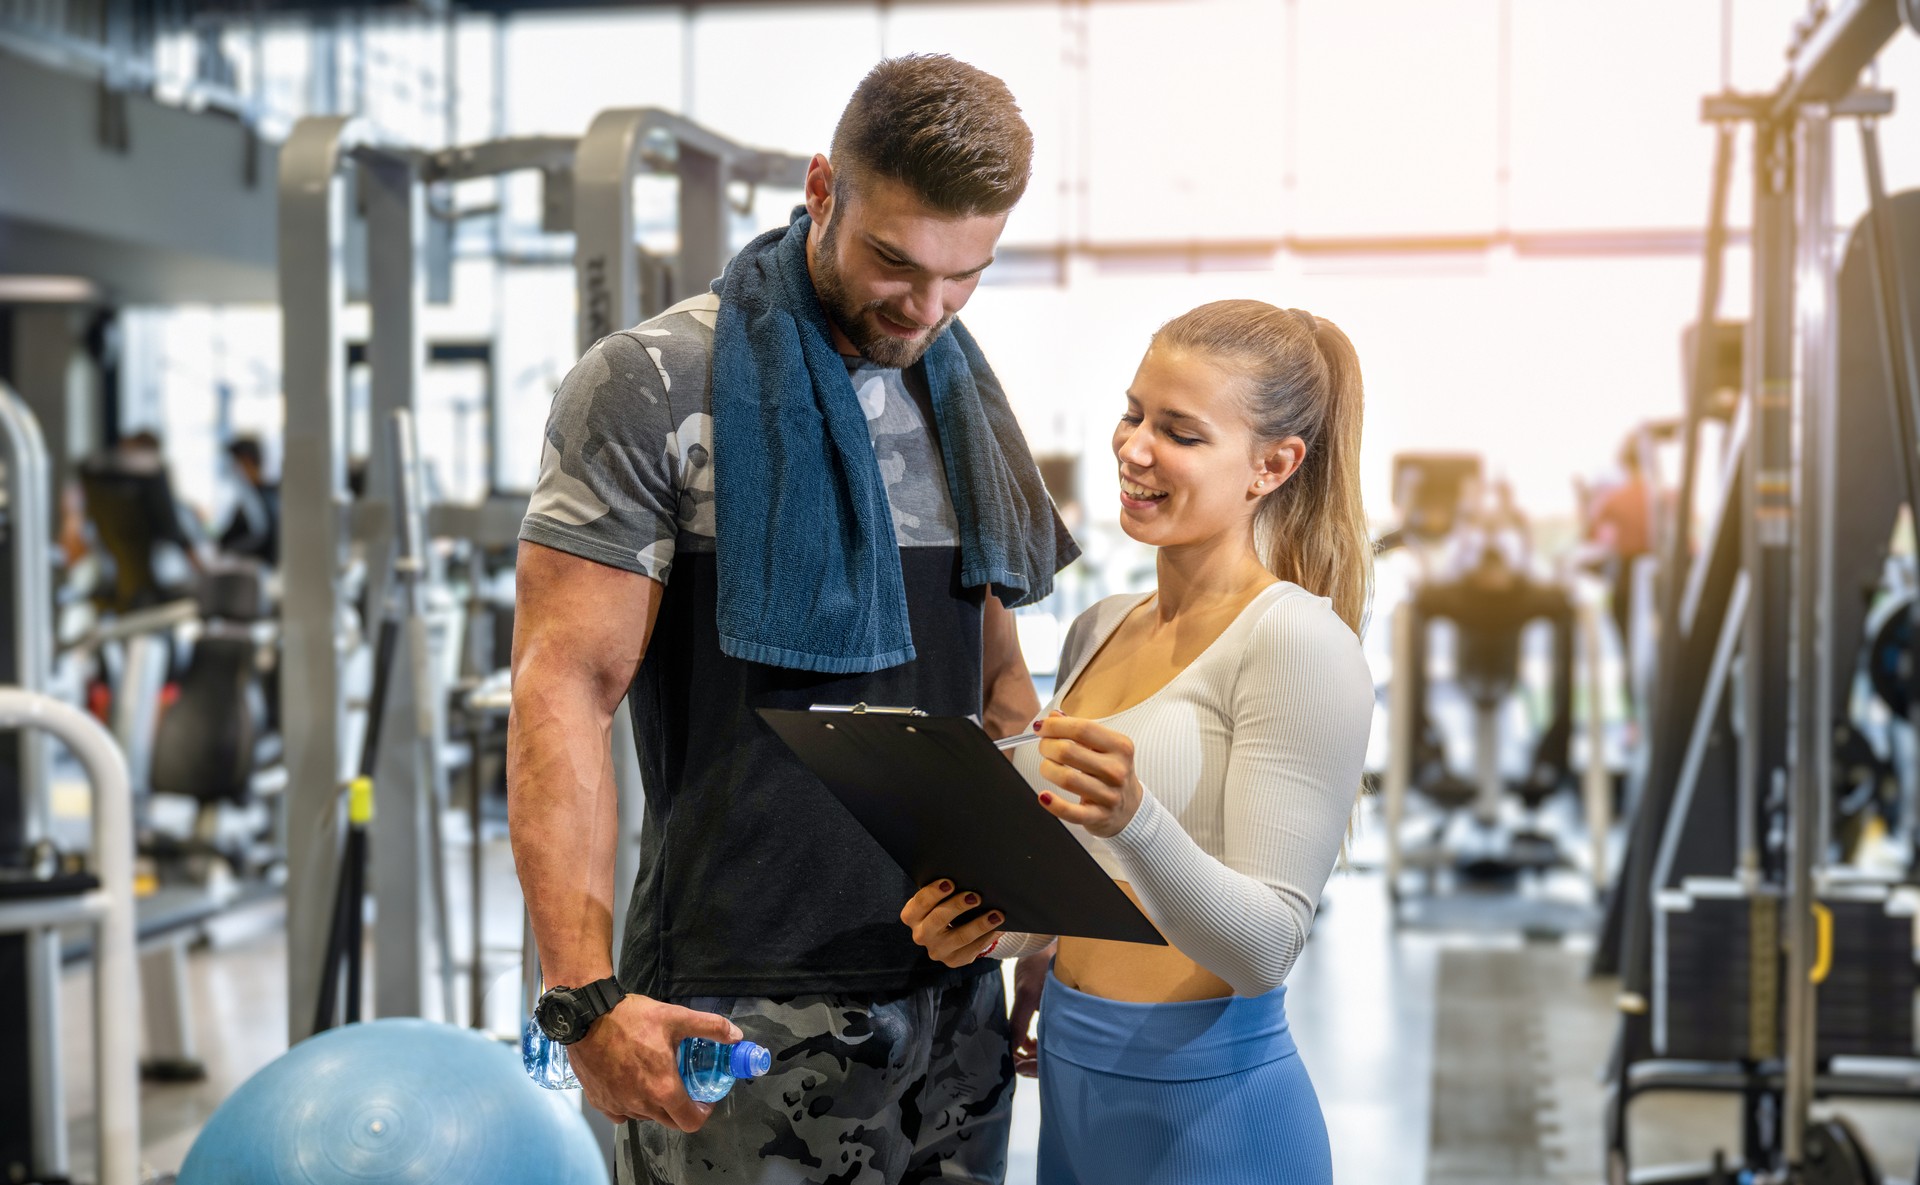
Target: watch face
(555, 1015)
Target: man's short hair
(949, 131)
(246, 449)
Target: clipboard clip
(866, 710)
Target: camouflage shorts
(896, 1091)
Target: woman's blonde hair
(1303, 379)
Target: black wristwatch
(565, 1014)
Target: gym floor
(1452, 1056)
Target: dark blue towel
(809, 566)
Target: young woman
(1206, 744)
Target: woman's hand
(1094, 763)
(930, 913)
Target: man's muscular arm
(1011, 703)
(580, 629)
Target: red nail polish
(946, 886)
(994, 919)
(973, 898)
(1036, 725)
(1046, 798)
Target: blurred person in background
(1206, 745)
(254, 529)
(150, 540)
(1620, 529)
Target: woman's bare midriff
(1134, 972)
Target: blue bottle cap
(750, 1060)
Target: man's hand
(629, 1061)
(1029, 980)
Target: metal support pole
(1810, 788)
(1491, 787)
(28, 474)
(704, 215)
(47, 1145)
(402, 859)
(26, 470)
(478, 728)
(45, 340)
(1596, 786)
(415, 879)
(145, 657)
(1766, 495)
(312, 238)
(606, 258)
(166, 1003)
(1768, 491)
(1403, 737)
(394, 202)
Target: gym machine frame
(1406, 716)
(102, 899)
(588, 187)
(108, 908)
(1763, 586)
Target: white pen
(1014, 742)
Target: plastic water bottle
(710, 1068)
(545, 1059)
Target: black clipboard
(944, 802)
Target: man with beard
(805, 487)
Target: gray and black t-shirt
(753, 879)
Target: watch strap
(600, 996)
(580, 1006)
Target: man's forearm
(1010, 703)
(563, 816)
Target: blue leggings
(1211, 1092)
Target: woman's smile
(1135, 496)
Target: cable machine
(1750, 959)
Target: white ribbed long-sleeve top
(1251, 759)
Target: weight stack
(1718, 972)
(1867, 1002)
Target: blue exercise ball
(395, 1101)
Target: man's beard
(858, 321)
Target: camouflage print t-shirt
(753, 880)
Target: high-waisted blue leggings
(1211, 1092)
